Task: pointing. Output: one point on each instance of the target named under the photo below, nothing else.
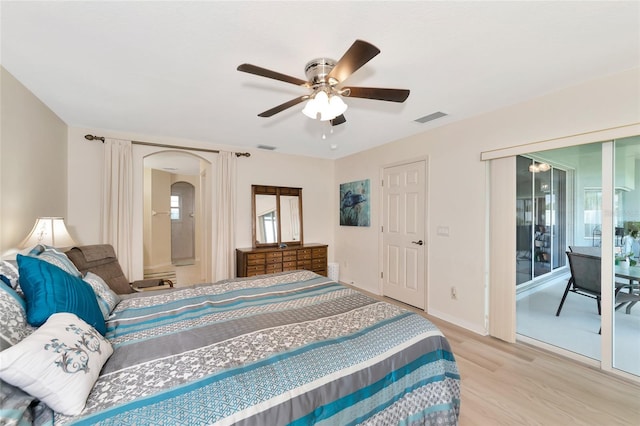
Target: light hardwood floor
(518, 384)
(515, 384)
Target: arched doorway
(175, 223)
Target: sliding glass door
(556, 185)
(626, 232)
(567, 199)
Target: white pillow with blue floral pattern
(58, 363)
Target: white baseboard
(456, 321)
(155, 268)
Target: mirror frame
(277, 191)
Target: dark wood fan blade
(392, 95)
(338, 120)
(263, 72)
(283, 106)
(358, 54)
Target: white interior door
(403, 233)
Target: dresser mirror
(277, 215)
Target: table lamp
(50, 231)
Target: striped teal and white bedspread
(293, 348)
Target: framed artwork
(355, 204)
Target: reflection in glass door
(626, 221)
(541, 219)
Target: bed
(291, 348)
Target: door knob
(418, 242)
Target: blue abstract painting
(354, 203)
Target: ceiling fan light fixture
(539, 167)
(327, 107)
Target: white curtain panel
(225, 206)
(117, 200)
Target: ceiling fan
(325, 78)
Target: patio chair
(585, 280)
(592, 251)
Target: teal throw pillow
(49, 289)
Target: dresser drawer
(288, 266)
(320, 272)
(305, 264)
(320, 252)
(274, 267)
(304, 254)
(255, 258)
(275, 256)
(319, 263)
(289, 256)
(256, 270)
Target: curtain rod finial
(92, 138)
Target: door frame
(207, 163)
(427, 239)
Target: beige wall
(159, 247)
(315, 176)
(458, 189)
(33, 163)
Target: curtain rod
(161, 145)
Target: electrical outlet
(454, 293)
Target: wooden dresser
(256, 261)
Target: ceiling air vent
(430, 117)
(267, 147)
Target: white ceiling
(169, 68)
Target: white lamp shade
(337, 105)
(322, 98)
(311, 109)
(50, 231)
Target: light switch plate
(443, 231)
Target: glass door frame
(501, 288)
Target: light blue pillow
(13, 318)
(20, 408)
(107, 299)
(49, 289)
(9, 274)
(55, 257)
